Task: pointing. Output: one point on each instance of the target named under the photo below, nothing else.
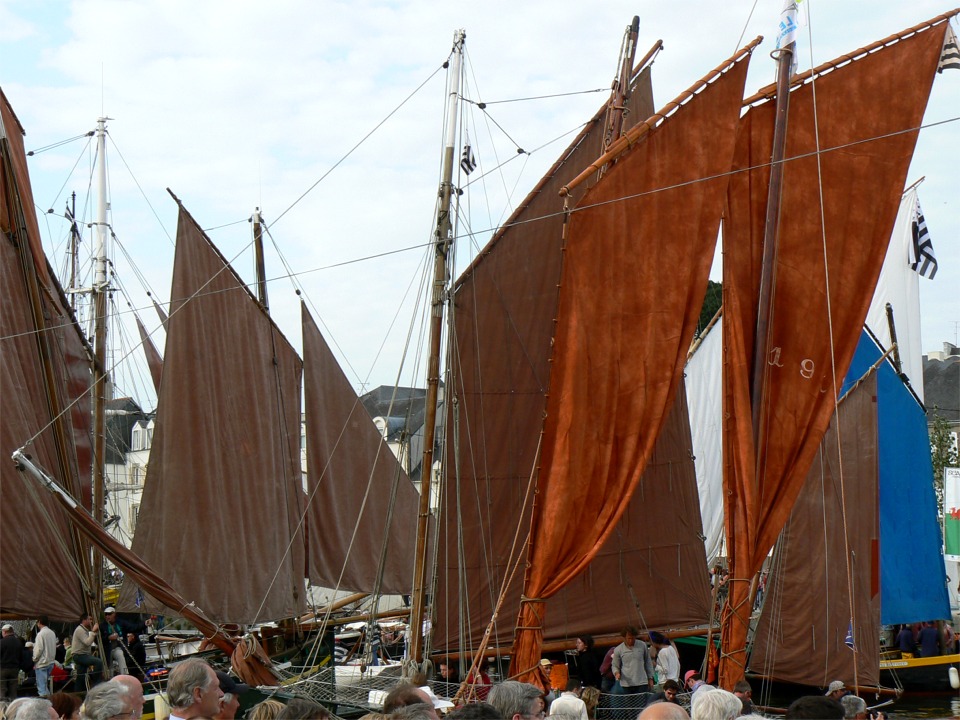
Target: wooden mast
(616, 109)
(442, 240)
(100, 290)
(732, 661)
(261, 265)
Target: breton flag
(468, 163)
(921, 257)
(950, 57)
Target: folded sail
(356, 490)
(636, 264)
(824, 278)
(833, 530)
(43, 558)
(223, 487)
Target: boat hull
(930, 674)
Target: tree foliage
(711, 303)
(943, 452)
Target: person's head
(817, 707)
(105, 701)
(132, 638)
(7, 630)
(110, 614)
(301, 709)
(266, 710)
(34, 709)
(663, 711)
(134, 693)
(715, 705)
(232, 690)
(404, 694)
(658, 639)
(474, 711)
(516, 700)
(448, 671)
(591, 698)
(419, 711)
(43, 621)
(742, 689)
(584, 642)
(854, 707)
(86, 621)
(193, 689)
(67, 706)
(836, 690)
(691, 678)
(630, 634)
(546, 666)
(573, 685)
(671, 688)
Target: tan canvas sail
(223, 494)
(832, 530)
(866, 143)
(154, 361)
(503, 315)
(636, 263)
(361, 502)
(43, 559)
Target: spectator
(664, 711)
(474, 711)
(10, 650)
(743, 691)
(193, 690)
(266, 710)
(517, 701)
(67, 706)
(815, 707)
(715, 705)
(44, 655)
(106, 701)
(300, 709)
(34, 709)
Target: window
(134, 514)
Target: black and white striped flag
(922, 258)
(468, 163)
(950, 57)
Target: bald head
(133, 693)
(664, 711)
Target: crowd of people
(650, 675)
(71, 659)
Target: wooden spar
(768, 91)
(363, 617)
(442, 241)
(616, 108)
(123, 558)
(261, 264)
(893, 340)
(771, 235)
(634, 134)
(333, 607)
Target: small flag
(849, 638)
(468, 163)
(950, 57)
(787, 33)
(138, 598)
(921, 257)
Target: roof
(941, 387)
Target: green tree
(943, 452)
(711, 303)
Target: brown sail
(222, 501)
(43, 367)
(154, 361)
(824, 278)
(505, 303)
(832, 530)
(636, 263)
(349, 531)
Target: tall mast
(616, 109)
(74, 250)
(100, 290)
(261, 265)
(442, 240)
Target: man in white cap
(836, 690)
(112, 633)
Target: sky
(329, 117)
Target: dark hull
(920, 674)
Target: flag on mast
(468, 163)
(922, 258)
